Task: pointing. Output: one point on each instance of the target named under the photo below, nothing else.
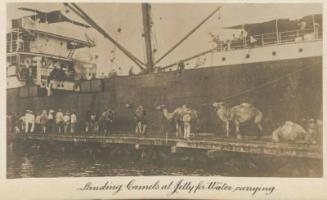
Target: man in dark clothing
(130, 71)
(181, 67)
(141, 122)
(109, 120)
(302, 26)
(54, 75)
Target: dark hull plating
(277, 93)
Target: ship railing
(45, 72)
(25, 46)
(18, 46)
(292, 36)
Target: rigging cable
(263, 85)
(187, 35)
(154, 38)
(90, 21)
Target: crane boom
(76, 9)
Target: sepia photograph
(164, 89)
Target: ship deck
(207, 142)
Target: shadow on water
(64, 159)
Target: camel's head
(161, 107)
(140, 107)
(218, 105)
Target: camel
(182, 117)
(172, 117)
(139, 116)
(291, 132)
(238, 114)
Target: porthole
(273, 53)
(247, 56)
(300, 49)
(223, 58)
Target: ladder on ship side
(71, 53)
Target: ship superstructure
(34, 54)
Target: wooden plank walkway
(210, 143)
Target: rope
(187, 35)
(92, 23)
(262, 85)
(155, 42)
(183, 98)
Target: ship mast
(147, 22)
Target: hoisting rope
(187, 35)
(262, 85)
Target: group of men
(241, 41)
(43, 122)
(95, 123)
(59, 122)
(66, 122)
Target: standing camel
(238, 114)
(172, 117)
(182, 117)
(139, 116)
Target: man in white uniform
(59, 121)
(29, 122)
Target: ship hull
(283, 90)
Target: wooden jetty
(249, 146)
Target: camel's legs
(138, 129)
(237, 127)
(185, 133)
(187, 130)
(227, 128)
(178, 128)
(257, 121)
(260, 129)
(144, 129)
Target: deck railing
(270, 39)
(15, 46)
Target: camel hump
(177, 111)
(289, 123)
(246, 105)
(294, 126)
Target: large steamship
(278, 69)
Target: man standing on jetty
(59, 121)
(140, 120)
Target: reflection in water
(26, 168)
(61, 159)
